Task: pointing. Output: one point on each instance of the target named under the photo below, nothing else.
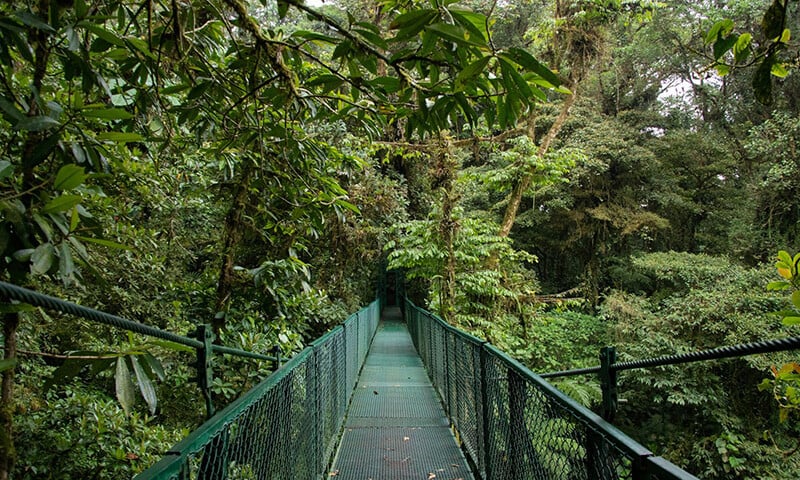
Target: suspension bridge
(396, 393)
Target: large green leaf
(529, 63)
(742, 48)
(721, 28)
(154, 365)
(120, 137)
(772, 23)
(42, 258)
(475, 23)
(103, 242)
(108, 114)
(32, 20)
(471, 71)
(762, 81)
(124, 386)
(102, 33)
(145, 385)
(723, 45)
(37, 124)
(6, 169)
(66, 266)
(411, 23)
(7, 364)
(69, 176)
(456, 34)
(62, 203)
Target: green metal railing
(288, 425)
(515, 425)
(202, 342)
(608, 368)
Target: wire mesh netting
(288, 425)
(515, 425)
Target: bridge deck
(396, 428)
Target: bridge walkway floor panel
(396, 428)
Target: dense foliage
(552, 176)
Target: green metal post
(205, 360)
(485, 414)
(516, 423)
(276, 352)
(608, 382)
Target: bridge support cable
(608, 368)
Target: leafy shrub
(81, 433)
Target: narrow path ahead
(396, 428)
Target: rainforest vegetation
(551, 175)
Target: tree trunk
(39, 38)
(448, 226)
(524, 183)
(233, 231)
(7, 451)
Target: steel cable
(24, 295)
(730, 351)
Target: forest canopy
(553, 176)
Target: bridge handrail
(513, 423)
(24, 295)
(729, 351)
(285, 427)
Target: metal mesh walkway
(396, 428)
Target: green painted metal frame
(492, 409)
(323, 415)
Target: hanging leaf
(773, 20)
(102, 33)
(36, 124)
(472, 70)
(762, 81)
(7, 364)
(6, 169)
(120, 137)
(723, 45)
(283, 9)
(108, 114)
(154, 365)
(779, 70)
(720, 29)
(124, 386)
(742, 48)
(62, 203)
(145, 385)
(66, 266)
(69, 176)
(42, 258)
(529, 62)
(103, 242)
(32, 20)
